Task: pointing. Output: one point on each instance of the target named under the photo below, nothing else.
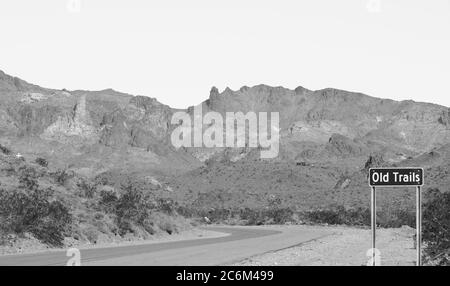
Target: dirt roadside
(346, 247)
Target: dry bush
(36, 212)
(42, 162)
(5, 150)
(436, 227)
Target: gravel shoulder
(345, 247)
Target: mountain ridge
(305, 115)
(328, 139)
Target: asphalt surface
(241, 243)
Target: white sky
(177, 50)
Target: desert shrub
(28, 178)
(247, 216)
(186, 211)
(149, 226)
(31, 209)
(324, 216)
(132, 205)
(133, 208)
(169, 224)
(99, 216)
(436, 227)
(252, 216)
(87, 189)
(168, 206)
(339, 215)
(168, 227)
(275, 213)
(217, 215)
(108, 201)
(5, 150)
(396, 218)
(91, 234)
(355, 217)
(62, 177)
(280, 215)
(42, 162)
(34, 211)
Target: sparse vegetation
(136, 211)
(30, 209)
(37, 203)
(42, 162)
(339, 215)
(62, 176)
(132, 209)
(436, 227)
(5, 150)
(87, 189)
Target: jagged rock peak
(76, 124)
(243, 90)
(444, 119)
(80, 114)
(301, 90)
(257, 89)
(214, 92)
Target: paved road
(242, 242)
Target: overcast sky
(176, 50)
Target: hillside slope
(328, 139)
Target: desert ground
(344, 247)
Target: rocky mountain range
(327, 139)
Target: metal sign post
(374, 222)
(397, 177)
(419, 226)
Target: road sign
(397, 177)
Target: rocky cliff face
(329, 138)
(317, 115)
(327, 125)
(14, 84)
(75, 125)
(444, 119)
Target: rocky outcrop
(374, 161)
(444, 119)
(7, 124)
(14, 84)
(342, 146)
(74, 124)
(114, 130)
(154, 117)
(338, 124)
(343, 183)
(30, 120)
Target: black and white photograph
(244, 136)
